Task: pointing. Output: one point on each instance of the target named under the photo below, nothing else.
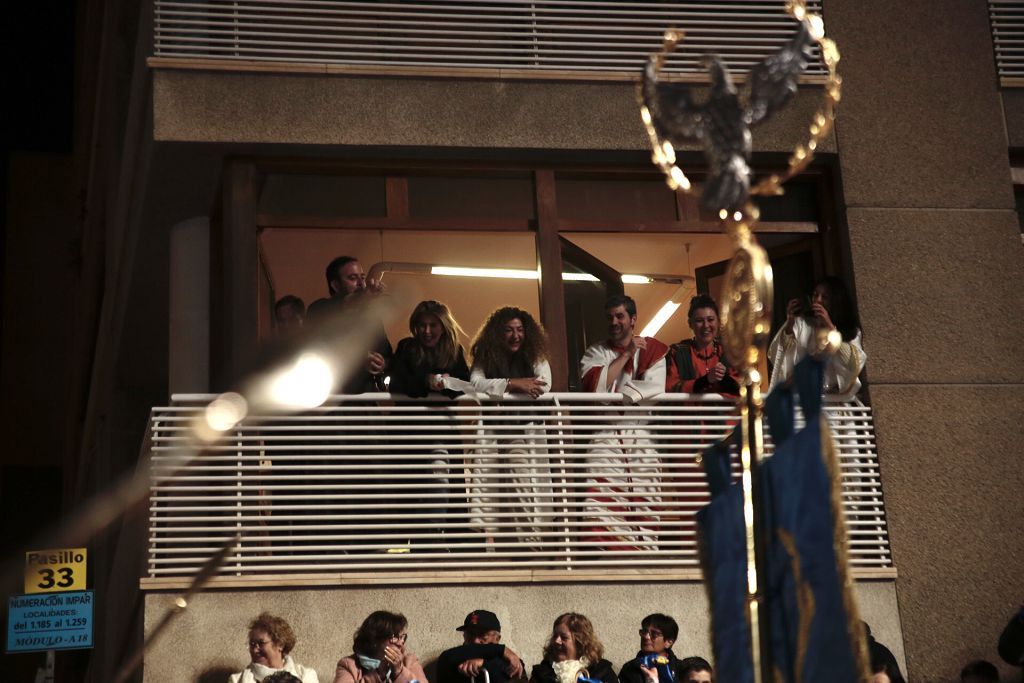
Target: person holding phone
(829, 308)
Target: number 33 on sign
(54, 571)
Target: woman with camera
(829, 308)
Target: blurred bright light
(306, 384)
(522, 274)
(225, 411)
(659, 319)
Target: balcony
(476, 38)
(379, 489)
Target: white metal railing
(1007, 22)
(371, 483)
(530, 35)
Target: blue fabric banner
(808, 603)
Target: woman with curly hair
(573, 651)
(510, 355)
(271, 641)
(379, 653)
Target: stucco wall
(208, 640)
(221, 106)
(937, 259)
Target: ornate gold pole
(672, 117)
(746, 322)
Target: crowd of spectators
(573, 653)
(510, 352)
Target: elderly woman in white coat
(271, 641)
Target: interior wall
(296, 260)
(657, 253)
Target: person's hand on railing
(437, 382)
(534, 386)
(471, 668)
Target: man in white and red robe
(624, 470)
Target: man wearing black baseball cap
(481, 651)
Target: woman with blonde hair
(271, 641)
(510, 355)
(425, 364)
(573, 651)
(433, 352)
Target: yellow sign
(55, 571)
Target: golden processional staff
(721, 124)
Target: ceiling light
(659, 319)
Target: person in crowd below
(347, 284)
(379, 653)
(282, 677)
(433, 352)
(696, 670)
(481, 650)
(884, 668)
(979, 671)
(1011, 640)
(658, 632)
(689, 670)
(624, 468)
(625, 363)
(830, 308)
(510, 354)
(271, 641)
(698, 365)
(289, 314)
(573, 651)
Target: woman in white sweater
(510, 356)
(271, 641)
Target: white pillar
(189, 348)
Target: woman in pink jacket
(379, 654)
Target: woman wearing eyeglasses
(658, 632)
(271, 641)
(572, 652)
(379, 654)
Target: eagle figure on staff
(722, 123)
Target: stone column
(937, 260)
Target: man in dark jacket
(481, 650)
(658, 632)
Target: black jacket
(411, 377)
(493, 655)
(631, 672)
(601, 670)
